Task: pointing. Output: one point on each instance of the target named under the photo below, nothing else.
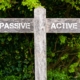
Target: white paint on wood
(16, 25)
(40, 43)
(40, 28)
(63, 25)
(53, 25)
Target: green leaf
(53, 54)
(9, 38)
(64, 56)
(73, 67)
(17, 51)
(78, 55)
(71, 70)
(31, 4)
(62, 39)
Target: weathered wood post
(40, 43)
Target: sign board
(16, 25)
(53, 25)
(40, 25)
(63, 25)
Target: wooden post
(40, 43)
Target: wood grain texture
(40, 25)
(64, 29)
(13, 21)
(40, 43)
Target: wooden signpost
(40, 25)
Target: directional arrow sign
(40, 25)
(63, 25)
(16, 25)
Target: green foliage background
(17, 50)
(16, 56)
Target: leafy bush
(16, 57)
(57, 75)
